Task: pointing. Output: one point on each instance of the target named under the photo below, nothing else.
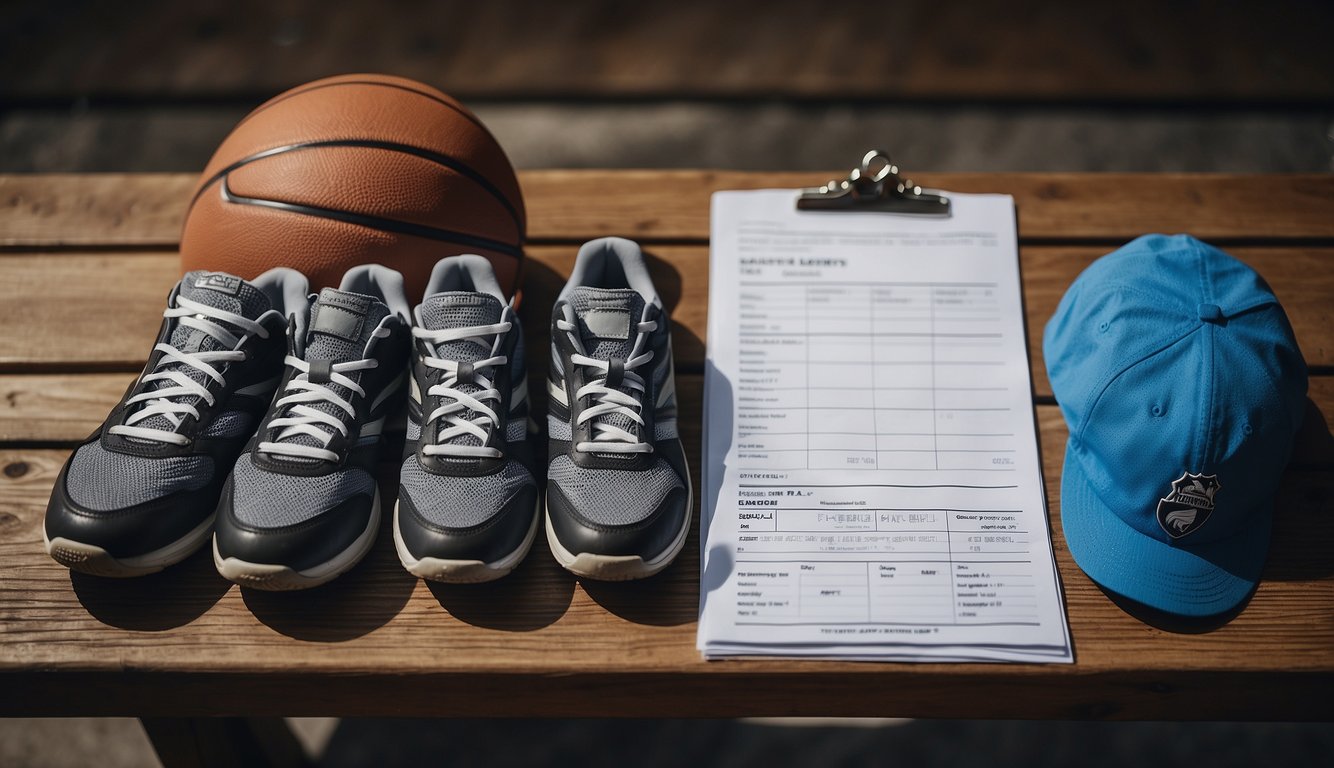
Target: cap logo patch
(1189, 504)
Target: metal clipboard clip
(876, 186)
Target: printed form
(871, 480)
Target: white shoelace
(609, 438)
(306, 420)
(162, 401)
(488, 338)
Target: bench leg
(224, 742)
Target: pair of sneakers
(256, 422)
(259, 420)
(618, 497)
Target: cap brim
(1205, 580)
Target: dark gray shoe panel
(100, 480)
(312, 542)
(496, 537)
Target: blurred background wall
(152, 85)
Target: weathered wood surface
(145, 210)
(117, 298)
(186, 642)
(1032, 50)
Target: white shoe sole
(463, 571)
(92, 559)
(281, 578)
(621, 567)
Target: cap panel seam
(1208, 417)
(1124, 364)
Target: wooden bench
(86, 262)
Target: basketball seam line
(389, 146)
(374, 222)
(285, 96)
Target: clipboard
(871, 482)
(875, 186)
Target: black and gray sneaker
(139, 494)
(302, 506)
(467, 501)
(618, 491)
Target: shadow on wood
(170, 598)
(537, 594)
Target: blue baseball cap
(1183, 387)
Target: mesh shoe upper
(614, 496)
(263, 499)
(104, 481)
(453, 501)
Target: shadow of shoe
(534, 596)
(167, 599)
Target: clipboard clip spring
(875, 185)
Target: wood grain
(57, 408)
(81, 293)
(542, 642)
(145, 210)
(1137, 50)
(120, 296)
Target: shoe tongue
(607, 319)
(460, 309)
(341, 325)
(214, 289)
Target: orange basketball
(356, 169)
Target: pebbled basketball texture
(356, 169)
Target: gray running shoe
(139, 494)
(301, 506)
(467, 501)
(618, 492)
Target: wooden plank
(63, 409)
(56, 408)
(120, 296)
(541, 642)
(1029, 50)
(145, 210)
